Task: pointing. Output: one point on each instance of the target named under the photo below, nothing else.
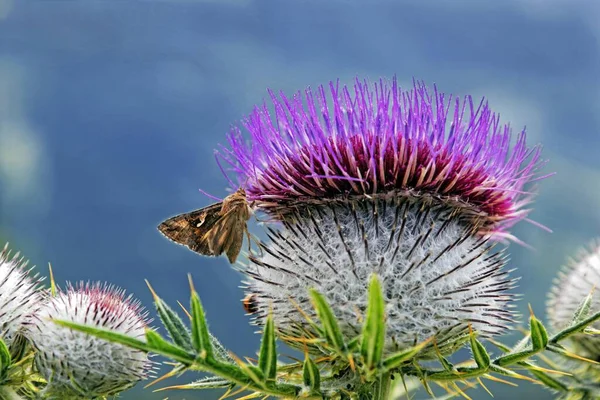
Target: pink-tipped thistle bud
(81, 366)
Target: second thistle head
(80, 366)
(410, 185)
(580, 278)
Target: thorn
(154, 295)
(52, 282)
(192, 289)
(165, 376)
(484, 387)
(184, 310)
(496, 379)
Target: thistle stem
(7, 393)
(382, 387)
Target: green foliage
(200, 335)
(330, 326)
(311, 375)
(373, 337)
(267, 359)
(177, 330)
(17, 376)
(354, 367)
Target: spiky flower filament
(438, 276)
(380, 139)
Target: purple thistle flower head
(408, 185)
(381, 140)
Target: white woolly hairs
(437, 274)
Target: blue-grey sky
(110, 111)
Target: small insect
(250, 303)
(213, 230)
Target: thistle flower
(20, 294)
(384, 141)
(575, 282)
(79, 366)
(390, 182)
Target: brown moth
(212, 230)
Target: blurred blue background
(110, 111)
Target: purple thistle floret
(380, 140)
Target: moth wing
(189, 229)
(228, 235)
(236, 241)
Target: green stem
(382, 387)
(7, 393)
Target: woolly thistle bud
(20, 295)
(384, 181)
(574, 283)
(81, 366)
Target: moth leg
(249, 241)
(253, 238)
(265, 220)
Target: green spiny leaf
(254, 373)
(209, 382)
(173, 324)
(311, 374)
(482, 358)
(539, 335)
(159, 345)
(171, 351)
(332, 330)
(107, 335)
(579, 327)
(396, 359)
(267, 358)
(459, 374)
(5, 359)
(373, 334)
(549, 381)
(512, 358)
(220, 351)
(583, 311)
(200, 335)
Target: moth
(213, 230)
